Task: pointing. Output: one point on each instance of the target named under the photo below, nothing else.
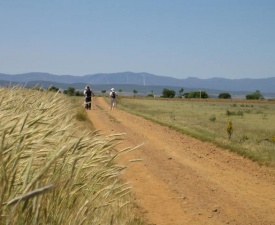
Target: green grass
(54, 168)
(253, 123)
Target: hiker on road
(112, 99)
(88, 93)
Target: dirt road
(182, 180)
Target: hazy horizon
(134, 73)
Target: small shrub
(243, 138)
(229, 129)
(239, 113)
(264, 107)
(232, 113)
(212, 118)
(172, 117)
(259, 112)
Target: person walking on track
(112, 99)
(88, 93)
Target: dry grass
(208, 121)
(52, 171)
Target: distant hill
(145, 80)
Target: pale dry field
(253, 122)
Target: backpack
(88, 93)
(113, 94)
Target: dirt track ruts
(182, 180)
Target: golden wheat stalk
(31, 194)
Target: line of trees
(168, 93)
(70, 91)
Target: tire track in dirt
(182, 180)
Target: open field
(55, 169)
(253, 122)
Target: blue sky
(177, 38)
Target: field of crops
(54, 168)
(252, 133)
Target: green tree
(166, 93)
(103, 92)
(224, 95)
(196, 94)
(151, 94)
(70, 91)
(181, 92)
(135, 92)
(78, 93)
(203, 94)
(54, 89)
(255, 96)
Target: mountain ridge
(265, 85)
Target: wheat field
(53, 169)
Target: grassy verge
(54, 168)
(253, 131)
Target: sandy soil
(182, 180)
